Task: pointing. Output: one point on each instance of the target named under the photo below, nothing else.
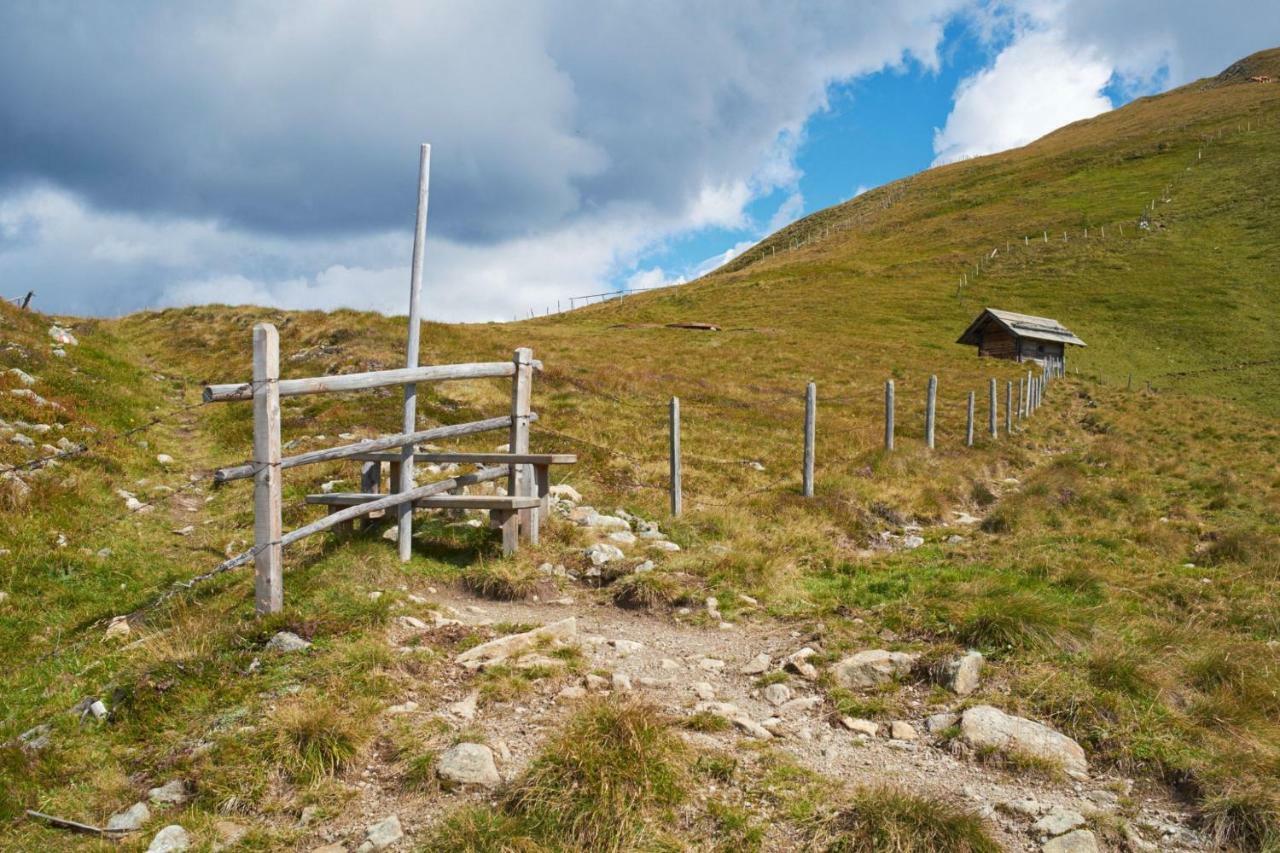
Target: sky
(253, 152)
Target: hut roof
(1021, 325)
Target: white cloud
(1035, 85)
(791, 209)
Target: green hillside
(1122, 581)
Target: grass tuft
(315, 738)
(887, 820)
(505, 580)
(646, 590)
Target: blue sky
(233, 152)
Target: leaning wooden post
(888, 414)
(991, 409)
(968, 423)
(268, 580)
(404, 513)
(520, 479)
(677, 496)
(26, 300)
(931, 401)
(810, 414)
(1008, 407)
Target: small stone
(862, 727)
(22, 440)
(466, 708)
(22, 376)
(573, 691)
(626, 647)
(411, 622)
(713, 608)
(748, 600)
(1076, 841)
(392, 533)
(565, 492)
(596, 682)
(668, 663)
(902, 730)
(469, 764)
(609, 522)
(384, 833)
(407, 707)
(757, 665)
(664, 545)
(308, 816)
(62, 337)
(704, 691)
(173, 793)
(777, 694)
(711, 664)
(35, 738)
(799, 663)
(1059, 821)
(129, 820)
(623, 537)
(117, 629)
(936, 723)
(336, 847)
(173, 837)
(872, 668)
(800, 706)
(603, 553)
(229, 834)
(287, 641)
(164, 459)
(185, 531)
(621, 682)
(1026, 806)
(964, 672)
(912, 542)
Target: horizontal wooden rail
(477, 458)
(365, 381)
(389, 501)
(368, 446)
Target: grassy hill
(1123, 581)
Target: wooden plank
(490, 458)
(404, 482)
(339, 499)
(268, 594)
(363, 381)
(810, 415)
(930, 405)
(888, 414)
(366, 448)
(677, 487)
(521, 480)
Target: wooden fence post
(888, 414)
(968, 423)
(1026, 406)
(1128, 386)
(520, 479)
(677, 497)
(1008, 407)
(268, 581)
(931, 401)
(26, 300)
(810, 414)
(1020, 412)
(404, 513)
(992, 414)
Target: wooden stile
(268, 587)
(231, 392)
(810, 414)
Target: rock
(964, 672)
(1059, 821)
(129, 820)
(407, 621)
(1025, 806)
(603, 553)
(22, 376)
(287, 641)
(871, 668)
(392, 533)
(902, 730)
(719, 549)
(912, 542)
(801, 705)
(646, 566)
(172, 837)
(565, 492)
(595, 682)
(735, 715)
(664, 545)
(583, 515)
(711, 664)
(862, 727)
(798, 662)
(185, 531)
(704, 691)
(626, 647)
(623, 537)
(713, 607)
(22, 440)
(466, 708)
(777, 694)
(336, 847)
(117, 629)
(609, 522)
(668, 663)
(986, 727)
(384, 833)
(229, 834)
(495, 651)
(62, 337)
(407, 707)
(1077, 841)
(35, 738)
(164, 459)
(936, 723)
(172, 793)
(308, 816)
(573, 691)
(621, 682)
(964, 518)
(469, 764)
(757, 665)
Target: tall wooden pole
(268, 580)
(520, 479)
(968, 423)
(931, 401)
(991, 409)
(810, 414)
(888, 414)
(677, 497)
(404, 513)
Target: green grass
(886, 820)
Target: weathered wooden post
(268, 580)
(404, 512)
(888, 414)
(1128, 386)
(520, 479)
(968, 423)
(810, 414)
(931, 401)
(1027, 404)
(1020, 413)
(677, 497)
(992, 414)
(1008, 407)
(26, 300)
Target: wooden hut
(1019, 337)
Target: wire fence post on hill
(888, 414)
(991, 409)
(810, 413)
(268, 561)
(677, 498)
(968, 423)
(1020, 413)
(1008, 407)
(931, 401)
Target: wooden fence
(522, 506)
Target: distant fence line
(23, 302)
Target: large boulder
(871, 668)
(985, 727)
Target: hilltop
(1116, 561)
